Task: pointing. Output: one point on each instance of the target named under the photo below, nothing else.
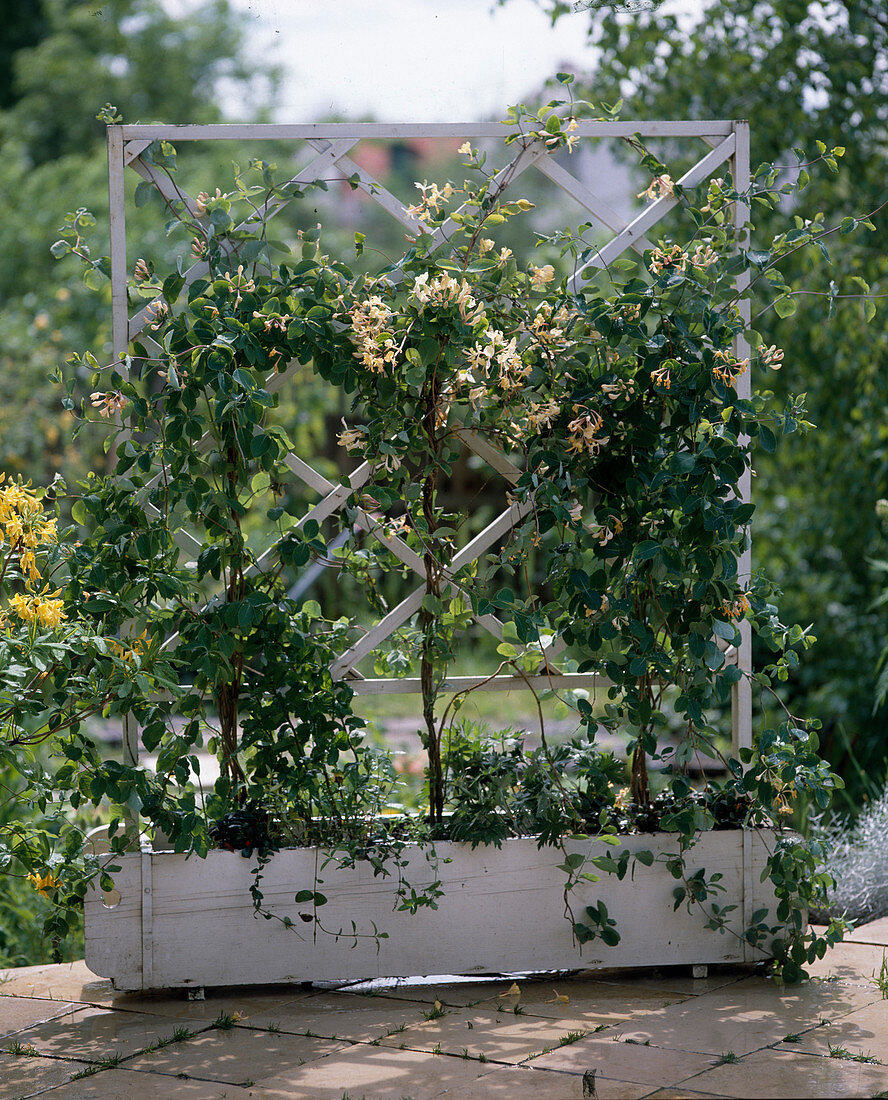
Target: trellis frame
(727, 142)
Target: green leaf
(767, 438)
(145, 191)
(785, 306)
(646, 550)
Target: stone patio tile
(499, 1038)
(373, 1073)
(60, 982)
(876, 931)
(780, 1075)
(19, 1013)
(260, 1004)
(619, 1061)
(862, 1032)
(537, 995)
(94, 1034)
(239, 1056)
(850, 963)
(355, 1019)
(517, 1082)
(123, 1084)
(746, 1016)
(589, 1003)
(672, 979)
(681, 1094)
(21, 1075)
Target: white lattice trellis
(331, 144)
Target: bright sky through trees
(422, 60)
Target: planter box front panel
(190, 922)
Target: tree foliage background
(60, 61)
(800, 71)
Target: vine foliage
(613, 397)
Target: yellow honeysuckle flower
(43, 884)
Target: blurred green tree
(61, 60)
(800, 71)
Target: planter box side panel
(113, 926)
(502, 911)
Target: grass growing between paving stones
(880, 980)
(108, 1062)
(23, 1050)
(848, 1056)
(178, 1036)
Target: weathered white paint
(189, 922)
(398, 131)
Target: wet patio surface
(66, 1035)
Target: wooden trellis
(726, 142)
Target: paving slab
(508, 1082)
(123, 1084)
(257, 1003)
(615, 1060)
(782, 1075)
(98, 1034)
(17, 1014)
(863, 1034)
(373, 1073)
(747, 1016)
(24, 1075)
(63, 982)
(850, 963)
(876, 931)
(475, 1033)
(238, 1056)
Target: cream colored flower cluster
(622, 387)
(547, 329)
(433, 198)
(552, 141)
(585, 432)
(658, 188)
(108, 402)
(444, 290)
(370, 321)
(497, 361)
(772, 357)
(676, 258)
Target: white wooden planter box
(189, 922)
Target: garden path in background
(65, 1035)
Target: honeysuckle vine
(610, 396)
